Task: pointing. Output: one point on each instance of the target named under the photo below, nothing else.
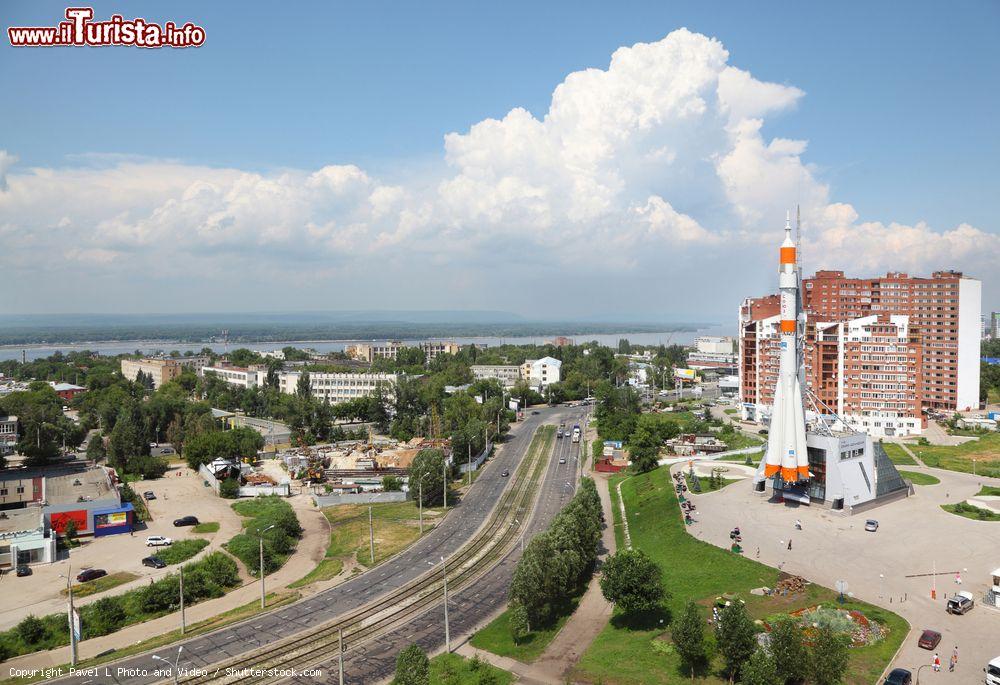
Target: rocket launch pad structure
(819, 460)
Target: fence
(281, 489)
(465, 467)
(359, 498)
(212, 481)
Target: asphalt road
(376, 661)
(457, 527)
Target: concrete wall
(207, 475)
(281, 489)
(360, 498)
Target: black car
(149, 494)
(154, 562)
(90, 574)
(186, 521)
(23, 571)
(899, 676)
(535, 413)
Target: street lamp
(260, 538)
(173, 667)
(70, 615)
(420, 501)
(447, 633)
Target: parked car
(505, 473)
(149, 494)
(962, 603)
(154, 562)
(535, 413)
(186, 521)
(871, 525)
(562, 460)
(158, 540)
(90, 574)
(898, 676)
(929, 639)
(23, 571)
(167, 450)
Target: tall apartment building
(8, 434)
(993, 329)
(877, 351)
(507, 375)
(161, 370)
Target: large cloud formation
(658, 160)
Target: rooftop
(90, 484)
(20, 520)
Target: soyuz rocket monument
(787, 458)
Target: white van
(993, 672)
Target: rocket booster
(787, 456)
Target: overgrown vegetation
(181, 550)
(273, 519)
(970, 511)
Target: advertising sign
(684, 374)
(118, 518)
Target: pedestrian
(951, 664)
(954, 654)
(958, 577)
(758, 552)
(936, 662)
(789, 544)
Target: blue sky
(899, 105)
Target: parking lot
(892, 567)
(179, 493)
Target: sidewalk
(311, 549)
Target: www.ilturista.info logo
(80, 30)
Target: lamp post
(70, 615)
(444, 482)
(918, 672)
(174, 666)
(371, 535)
(444, 574)
(181, 592)
(340, 654)
(260, 539)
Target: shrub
(106, 616)
(31, 630)
(181, 550)
(229, 488)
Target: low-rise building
(506, 374)
(25, 538)
(432, 348)
(67, 391)
(340, 387)
(160, 370)
(244, 377)
(541, 373)
(712, 352)
(369, 352)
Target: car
(559, 434)
(562, 460)
(158, 541)
(535, 413)
(153, 444)
(961, 603)
(90, 574)
(149, 494)
(505, 473)
(929, 639)
(186, 521)
(23, 571)
(166, 450)
(871, 525)
(154, 562)
(898, 676)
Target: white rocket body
(787, 457)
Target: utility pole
(420, 503)
(469, 466)
(371, 535)
(183, 626)
(340, 653)
(260, 539)
(444, 482)
(70, 616)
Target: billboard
(684, 374)
(110, 520)
(58, 520)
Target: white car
(158, 541)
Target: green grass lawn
(988, 491)
(918, 478)
(738, 441)
(495, 637)
(207, 527)
(971, 512)
(897, 455)
(452, 669)
(101, 584)
(985, 450)
(633, 652)
(181, 550)
(730, 411)
(706, 483)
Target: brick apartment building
(877, 351)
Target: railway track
(487, 547)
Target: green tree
(828, 657)
(302, 388)
(736, 637)
(427, 477)
(127, 438)
(633, 581)
(229, 488)
(790, 657)
(70, 531)
(688, 635)
(759, 669)
(108, 613)
(412, 667)
(31, 630)
(517, 621)
(644, 449)
(95, 448)
(391, 484)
